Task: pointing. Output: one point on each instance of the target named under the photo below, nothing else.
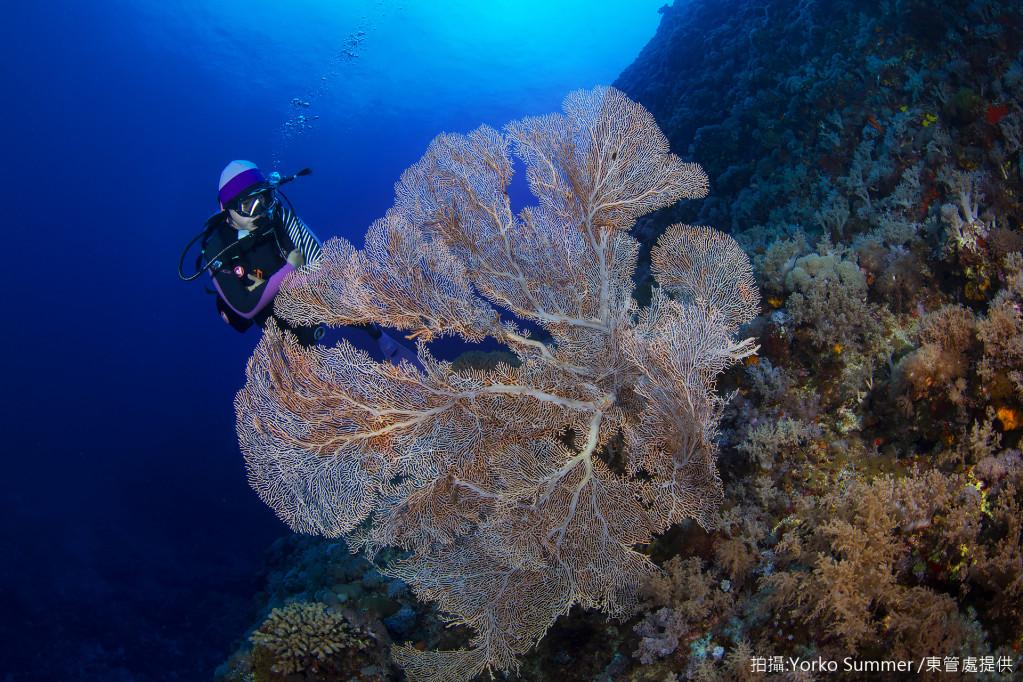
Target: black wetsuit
(262, 254)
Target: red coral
(995, 112)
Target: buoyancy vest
(261, 254)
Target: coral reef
(869, 164)
(323, 616)
(312, 639)
(866, 157)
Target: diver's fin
(395, 353)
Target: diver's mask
(256, 203)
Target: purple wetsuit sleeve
(270, 290)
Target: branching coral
(681, 601)
(775, 439)
(945, 337)
(310, 638)
(858, 545)
(1001, 332)
(829, 296)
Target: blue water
(130, 539)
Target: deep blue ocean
(129, 538)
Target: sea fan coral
(499, 483)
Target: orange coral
(1010, 417)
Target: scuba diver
(252, 244)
